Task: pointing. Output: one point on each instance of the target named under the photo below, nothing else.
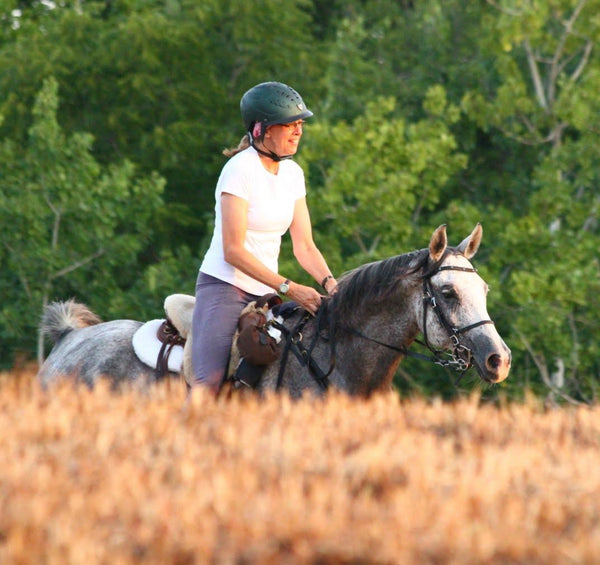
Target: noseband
(461, 357)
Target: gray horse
(354, 344)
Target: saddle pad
(147, 347)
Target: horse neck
(394, 320)
(386, 329)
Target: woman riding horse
(356, 341)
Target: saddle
(166, 344)
(179, 309)
(160, 343)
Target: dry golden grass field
(97, 477)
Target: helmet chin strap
(270, 154)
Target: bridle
(461, 358)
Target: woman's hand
(306, 296)
(330, 285)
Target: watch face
(284, 287)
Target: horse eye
(449, 293)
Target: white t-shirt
(271, 200)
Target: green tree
(546, 97)
(388, 155)
(372, 181)
(158, 83)
(70, 225)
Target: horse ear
(438, 243)
(470, 245)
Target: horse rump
(60, 318)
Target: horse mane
(372, 283)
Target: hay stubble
(98, 477)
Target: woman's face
(283, 139)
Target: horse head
(453, 313)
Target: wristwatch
(284, 287)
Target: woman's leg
(216, 313)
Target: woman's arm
(305, 250)
(234, 215)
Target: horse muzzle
(495, 367)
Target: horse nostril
(494, 361)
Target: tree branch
(540, 363)
(76, 265)
(543, 369)
(556, 65)
(575, 356)
(360, 242)
(576, 12)
(506, 11)
(535, 76)
(374, 244)
(587, 51)
(57, 218)
(554, 135)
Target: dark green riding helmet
(272, 103)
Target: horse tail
(62, 317)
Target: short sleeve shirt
(271, 201)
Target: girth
(169, 336)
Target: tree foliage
(447, 111)
(66, 218)
(374, 179)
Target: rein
(294, 342)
